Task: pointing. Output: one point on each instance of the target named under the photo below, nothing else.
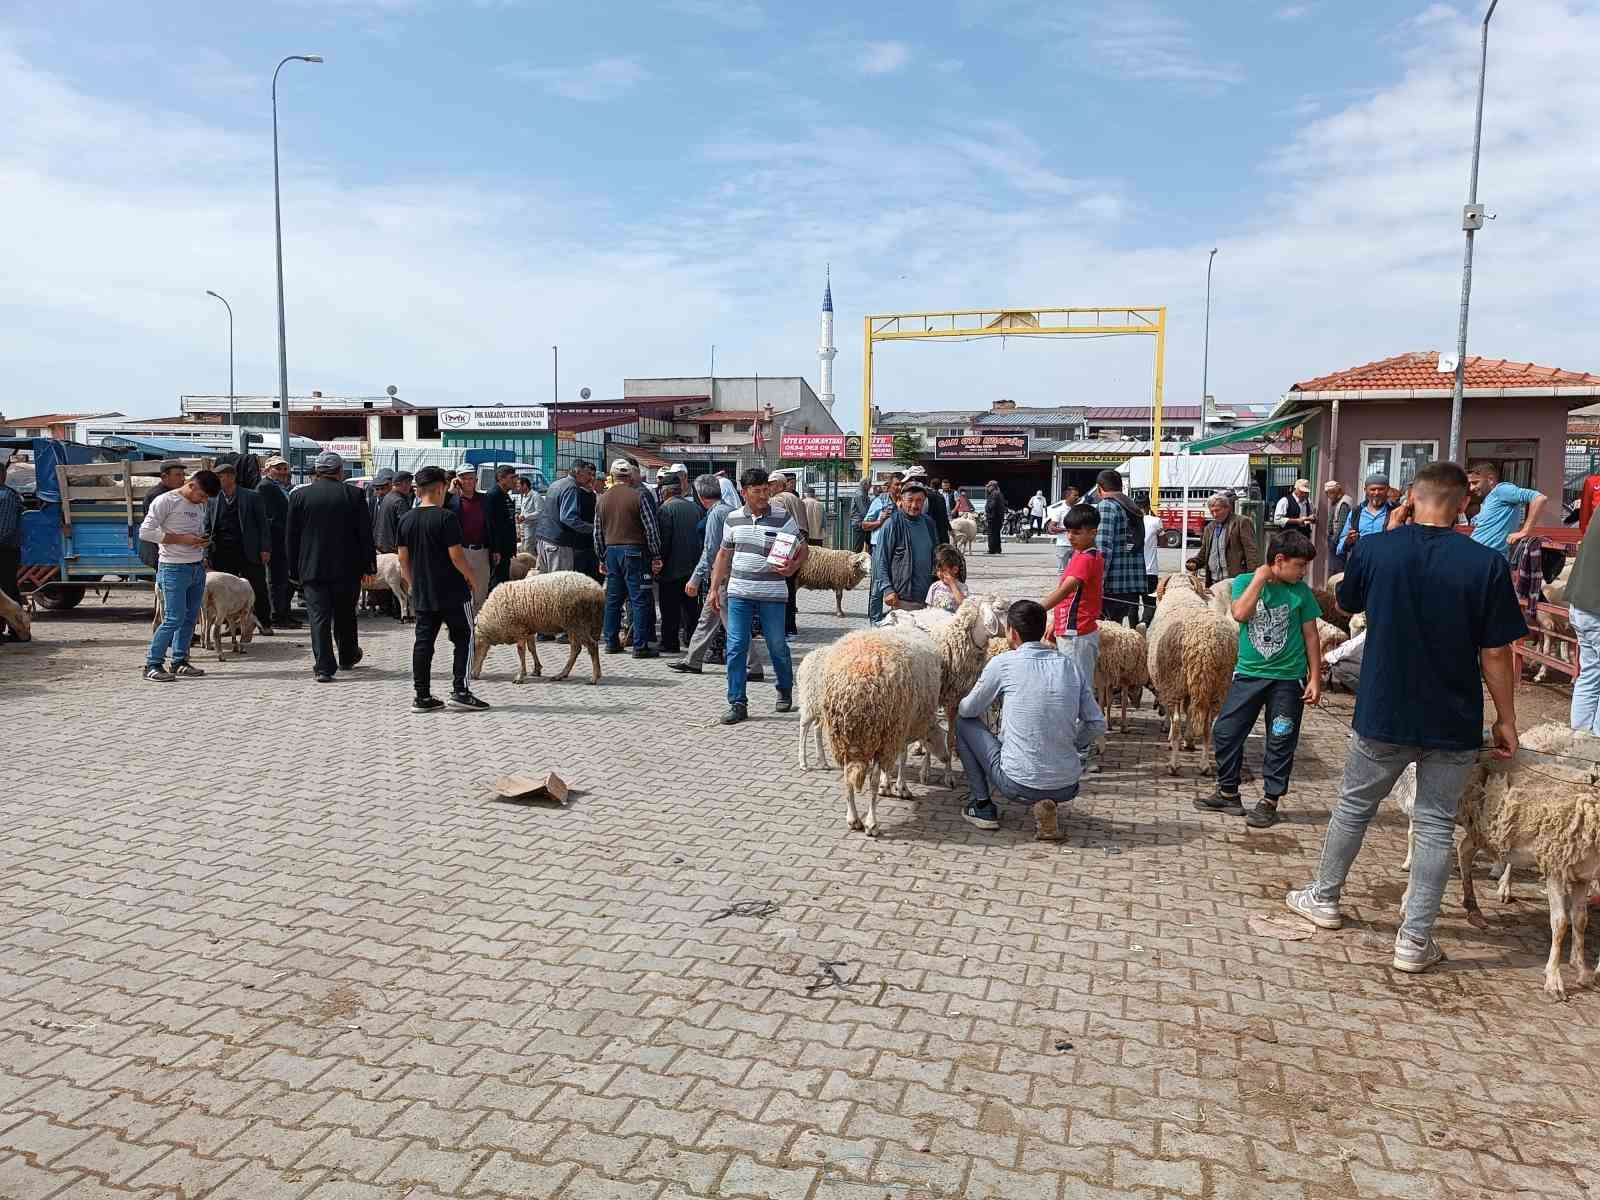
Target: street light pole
(1205, 360)
(555, 376)
(1471, 222)
(229, 307)
(277, 229)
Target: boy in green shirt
(1279, 651)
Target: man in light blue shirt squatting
(1502, 503)
(1372, 517)
(1049, 722)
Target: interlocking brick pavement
(261, 938)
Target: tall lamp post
(229, 307)
(1205, 360)
(277, 228)
(555, 375)
(1472, 217)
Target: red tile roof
(57, 418)
(1418, 370)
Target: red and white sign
(833, 445)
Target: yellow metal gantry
(1136, 320)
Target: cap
(1331, 485)
(914, 485)
(225, 466)
(678, 469)
(1302, 483)
(466, 469)
(1377, 479)
(171, 464)
(275, 461)
(384, 475)
(329, 461)
(915, 473)
(621, 466)
(780, 474)
(663, 474)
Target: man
(1047, 724)
(1338, 513)
(708, 492)
(938, 512)
(1501, 504)
(169, 479)
(274, 492)
(11, 544)
(859, 503)
(1583, 608)
(1293, 510)
(781, 494)
(440, 578)
(527, 502)
(175, 524)
(500, 508)
(1443, 618)
(1372, 517)
(1120, 541)
(816, 519)
(560, 527)
(1152, 561)
(883, 506)
(377, 491)
(752, 536)
(1036, 506)
(1055, 518)
(994, 513)
(472, 510)
(329, 542)
(902, 557)
(681, 545)
(626, 537)
(399, 501)
(241, 539)
(1228, 547)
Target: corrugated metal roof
(1061, 414)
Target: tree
(908, 448)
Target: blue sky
(467, 183)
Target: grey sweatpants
(701, 641)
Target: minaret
(826, 352)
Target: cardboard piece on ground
(1285, 928)
(520, 789)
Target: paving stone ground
(263, 939)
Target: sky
(468, 182)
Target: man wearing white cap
(472, 510)
(1294, 510)
(627, 541)
(330, 548)
(274, 492)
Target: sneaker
(785, 702)
(756, 676)
(687, 668)
(646, 652)
(983, 815)
(1414, 957)
(614, 647)
(1218, 803)
(735, 714)
(426, 704)
(467, 700)
(1321, 914)
(158, 675)
(324, 678)
(187, 670)
(1044, 822)
(1264, 815)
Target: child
(948, 592)
(1078, 596)
(1278, 644)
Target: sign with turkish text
(496, 418)
(833, 445)
(346, 447)
(981, 445)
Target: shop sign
(833, 445)
(496, 418)
(981, 445)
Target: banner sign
(833, 445)
(981, 445)
(494, 418)
(346, 447)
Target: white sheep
(523, 564)
(962, 641)
(1121, 669)
(229, 606)
(1191, 656)
(878, 687)
(808, 700)
(1552, 628)
(963, 533)
(16, 618)
(390, 574)
(561, 602)
(836, 571)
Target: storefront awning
(1249, 432)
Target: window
(391, 427)
(1514, 459)
(1399, 461)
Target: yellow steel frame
(1136, 320)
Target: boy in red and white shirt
(1077, 598)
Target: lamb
(561, 602)
(877, 688)
(808, 700)
(964, 532)
(523, 565)
(962, 641)
(390, 574)
(229, 604)
(1552, 628)
(1121, 669)
(1191, 655)
(835, 571)
(16, 618)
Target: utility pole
(1472, 218)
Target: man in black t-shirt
(436, 568)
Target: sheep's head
(1183, 579)
(861, 565)
(986, 619)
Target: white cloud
(1294, 12)
(606, 78)
(734, 14)
(880, 58)
(1143, 40)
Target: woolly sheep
(1191, 656)
(877, 689)
(16, 618)
(962, 641)
(808, 699)
(389, 573)
(835, 571)
(1552, 628)
(561, 602)
(523, 565)
(229, 605)
(1121, 668)
(1358, 624)
(963, 532)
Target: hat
(466, 469)
(780, 474)
(171, 464)
(1377, 479)
(225, 466)
(678, 469)
(329, 461)
(914, 485)
(1302, 484)
(384, 475)
(274, 461)
(621, 466)
(1331, 485)
(664, 474)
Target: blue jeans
(183, 590)
(741, 614)
(1586, 688)
(980, 758)
(625, 568)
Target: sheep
(1121, 668)
(1191, 655)
(561, 602)
(390, 574)
(962, 641)
(1553, 627)
(1358, 624)
(16, 618)
(836, 571)
(229, 604)
(808, 699)
(523, 565)
(964, 532)
(877, 688)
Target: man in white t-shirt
(1152, 561)
(1055, 518)
(176, 524)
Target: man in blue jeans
(627, 541)
(175, 523)
(1441, 611)
(761, 547)
(1049, 722)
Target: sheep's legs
(522, 660)
(480, 651)
(572, 657)
(853, 777)
(838, 603)
(805, 736)
(1411, 844)
(1466, 853)
(1208, 718)
(594, 657)
(1578, 906)
(1174, 735)
(872, 800)
(1504, 892)
(1556, 891)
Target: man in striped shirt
(753, 536)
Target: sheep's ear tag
(520, 789)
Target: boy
(1078, 597)
(441, 579)
(1278, 647)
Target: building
(59, 426)
(1393, 416)
(1180, 422)
(727, 422)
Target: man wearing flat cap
(274, 492)
(330, 548)
(241, 539)
(1372, 517)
